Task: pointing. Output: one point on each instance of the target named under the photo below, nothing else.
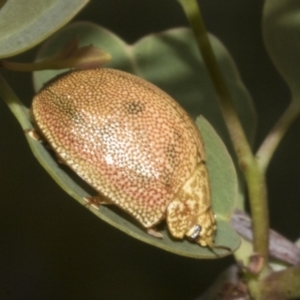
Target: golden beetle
(134, 145)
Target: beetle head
(204, 234)
(204, 229)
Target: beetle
(135, 145)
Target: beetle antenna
(221, 247)
(213, 246)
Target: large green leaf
(23, 24)
(171, 60)
(222, 176)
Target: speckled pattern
(125, 137)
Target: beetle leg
(60, 160)
(96, 201)
(155, 233)
(34, 135)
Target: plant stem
(7, 94)
(69, 56)
(269, 145)
(25, 67)
(254, 177)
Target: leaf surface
(170, 60)
(218, 161)
(24, 24)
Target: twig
(269, 145)
(254, 177)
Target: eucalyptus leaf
(281, 33)
(87, 33)
(24, 24)
(170, 60)
(219, 165)
(222, 175)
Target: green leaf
(223, 182)
(222, 176)
(170, 60)
(23, 24)
(87, 33)
(281, 33)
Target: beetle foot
(60, 160)
(95, 201)
(155, 233)
(34, 135)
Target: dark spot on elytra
(66, 107)
(133, 108)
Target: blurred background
(52, 248)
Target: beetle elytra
(134, 145)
